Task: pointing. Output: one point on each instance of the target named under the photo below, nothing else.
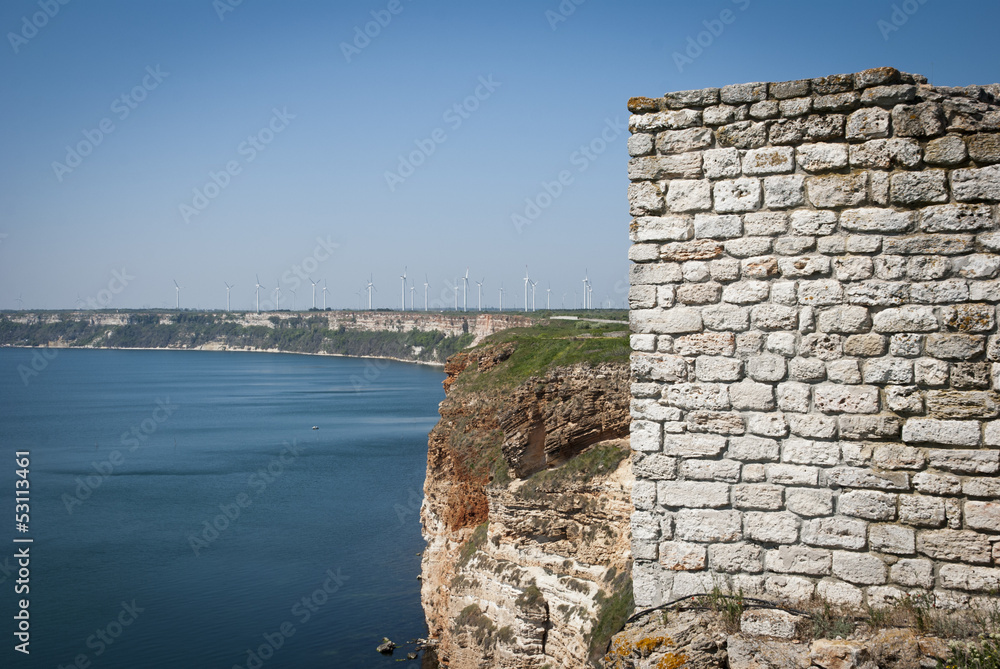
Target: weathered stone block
(753, 449)
(809, 502)
(892, 539)
(836, 532)
(682, 556)
(770, 160)
(677, 320)
(867, 124)
(699, 293)
(965, 461)
(693, 445)
(645, 435)
(837, 190)
(737, 195)
(974, 579)
(806, 369)
(784, 192)
(888, 370)
(778, 528)
(821, 157)
(798, 560)
(906, 319)
(715, 422)
(859, 568)
(784, 474)
(937, 484)
(742, 135)
(774, 317)
(867, 504)
(809, 222)
(876, 220)
(844, 319)
(661, 228)
(708, 525)
(913, 573)
(736, 558)
(655, 466)
(971, 185)
(910, 188)
(864, 345)
(955, 545)
(761, 496)
(950, 432)
(767, 424)
(843, 371)
(712, 226)
(726, 317)
(956, 218)
(856, 477)
(750, 396)
(692, 494)
(948, 150)
(685, 195)
(684, 166)
(869, 427)
(921, 120)
(683, 141)
(982, 516)
(830, 398)
(804, 266)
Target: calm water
(328, 515)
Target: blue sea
(184, 513)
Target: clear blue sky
(554, 86)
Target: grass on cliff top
(551, 344)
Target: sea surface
(185, 514)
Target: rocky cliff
(527, 501)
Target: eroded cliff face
(526, 513)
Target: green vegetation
(471, 546)
(480, 627)
(595, 461)
(614, 610)
(530, 597)
(299, 334)
(549, 344)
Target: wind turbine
(257, 291)
(426, 285)
(314, 291)
(412, 288)
(19, 301)
(465, 291)
(402, 290)
(586, 282)
(533, 284)
(228, 288)
(501, 296)
(548, 298)
(178, 288)
(526, 282)
(325, 291)
(370, 287)
(456, 294)
(277, 295)
(293, 299)
(480, 290)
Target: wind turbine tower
(480, 290)
(465, 292)
(314, 291)
(526, 282)
(533, 284)
(370, 287)
(228, 288)
(325, 291)
(178, 288)
(293, 299)
(257, 291)
(501, 296)
(277, 295)
(402, 291)
(426, 286)
(413, 287)
(548, 298)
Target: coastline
(235, 350)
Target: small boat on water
(315, 427)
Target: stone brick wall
(816, 361)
